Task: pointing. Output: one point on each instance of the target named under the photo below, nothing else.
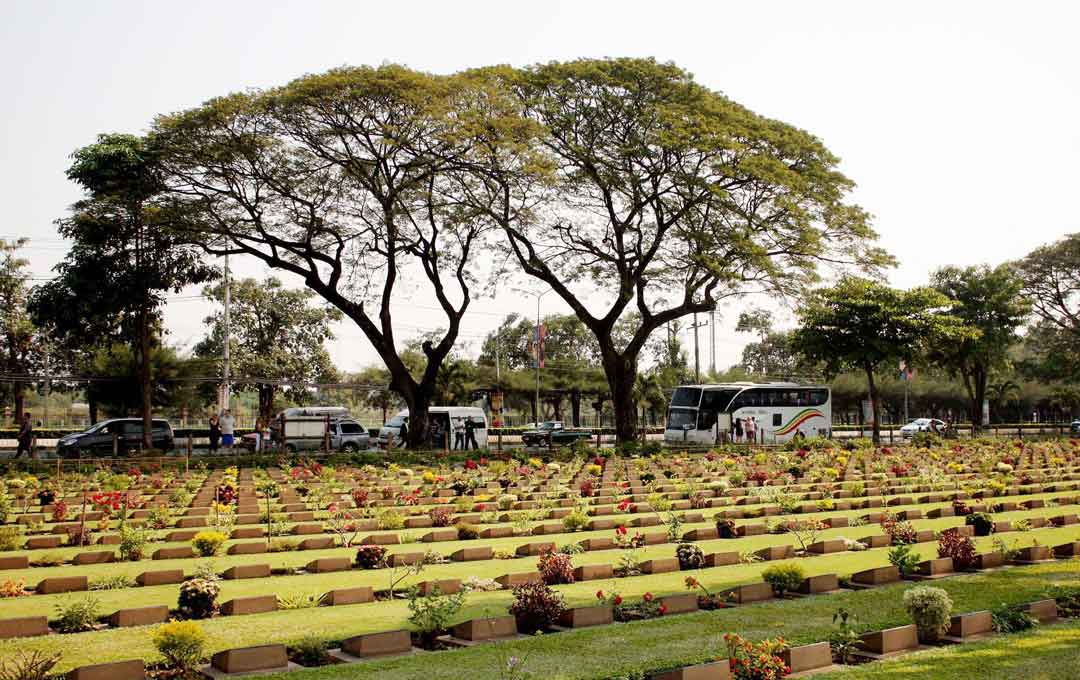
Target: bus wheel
(290, 448)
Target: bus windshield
(679, 418)
(686, 396)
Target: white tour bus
(704, 414)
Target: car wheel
(350, 447)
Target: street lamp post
(536, 404)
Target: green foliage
(77, 616)
(133, 542)
(904, 558)
(182, 643)
(1010, 618)
(117, 582)
(11, 538)
(309, 650)
(844, 639)
(28, 665)
(690, 556)
(298, 600)
(784, 578)
(431, 614)
(576, 520)
(860, 324)
(208, 543)
(930, 609)
(389, 519)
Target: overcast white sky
(958, 120)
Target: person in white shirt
(228, 429)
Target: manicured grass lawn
(1047, 653)
(616, 651)
(586, 653)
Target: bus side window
(776, 420)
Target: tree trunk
(144, 377)
(20, 402)
(621, 374)
(979, 388)
(872, 388)
(92, 406)
(266, 402)
(575, 407)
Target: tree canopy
(861, 324)
(277, 336)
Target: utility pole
(712, 341)
(226, 388)
(498, 385)
(536, 405)
(48, 386)
(697, 354)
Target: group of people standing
(222, 431)
(463, 428)
(744, 430)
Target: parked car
(98, 440)
(553, 433)
(1074, 427)
(923, 425)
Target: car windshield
(396, 421)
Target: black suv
(99, 438)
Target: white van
(452, 427)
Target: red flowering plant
(760, 661)
(342, 522)
(900, 532)
(587, 488)
(555, 568)
(758, 476)
(960, 548)
(706, 599)
(629, 562)
(107, 502)
(440, 516)
(370, 556)
(360, 498)
(410, 498)
(59, 511)
(613, 599)
(649, 608)
(470, 464)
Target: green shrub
(11, 538)
(133, 542)
(389, 519)
(575, 521)
(467, 531)
(431, 614)
(1010, 618)
(310, 651)
(904, 559)
(930, 609)
(784, 578)
(182, 643)
(208, 543)
(50, 559)
(298, 601)
(983, 523)
(76, 616)
(118, 582)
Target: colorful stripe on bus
(800, 418)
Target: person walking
(25, 437)
(215, 432)
(228, 430)
(404, 433)
(258, 435)
(737, 430)
(751, 430)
